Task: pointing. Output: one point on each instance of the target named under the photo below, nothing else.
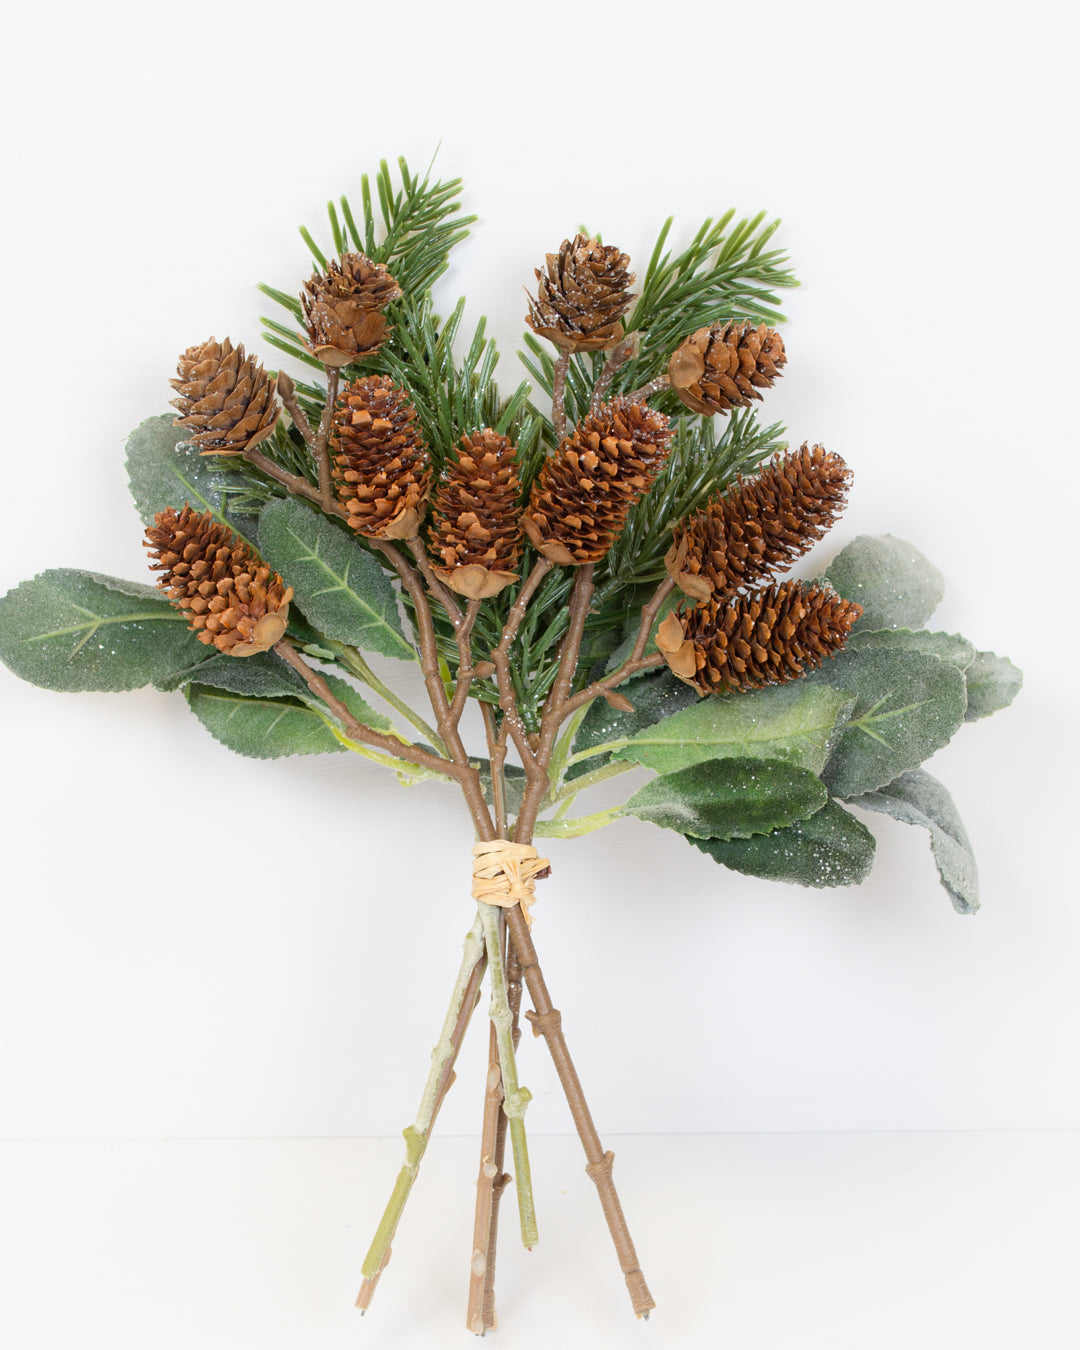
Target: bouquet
(598, 561)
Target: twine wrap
(504, 874)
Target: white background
(198, 945)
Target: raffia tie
(504, 874)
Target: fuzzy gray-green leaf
(261, 728)
(829, 848)
(165, 469)
(917, 798)
(794, 722)
(907, 706)
(729, 798)
(992, 684)
(72, 630)
(266, 713)
(951, 647)
(896, 586)
(339, 586)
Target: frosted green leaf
(266, 713)
(951, 647)
(794, 722)
(339, 586)
(261, 728)
(728, 798)
(916, 798)
(896, 586)
(907, 706)
(165, 469)
(992, 684)
(829, 848)
(71, 630)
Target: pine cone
(381, 469)
(724, 366)
(476, 529)
(585, 490)
(767, 637)
(761, 525)
(226, 398)
(343, 309)
(582, 296)
(229, 595)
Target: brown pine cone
(767, 637)
(581, 296)
(380, 468)
(343, 309)
(724, 366)
(227, 400)
(585, 490)
(760, 525)
(476, 527)
(229, 595)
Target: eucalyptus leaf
(794, 722)
(992, 684)
(829, 848)
(907, 706)
(339, 586)
(916, 798)
(728, 798)
(165, 469)
(71, 630)
(896, 586)
(951, 647)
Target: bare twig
(547, 1021)
(465, 661)
(647, 390)
(321, 447)
(295, 483)
(287, 392)
(357, 731)
(619, 355)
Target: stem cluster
(500, 941)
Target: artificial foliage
(598, 560)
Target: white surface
(769, 1242)
(158, 978)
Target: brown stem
(465, 661)
(547, 1021)
(500, 656)
(490, 1184)
(434, 585)
(619, 355)
(558, 394)
(569, 650)
(496, 743)
(287, 393)
(635, 662)
(647, 390)
(513, 993)
(321, 447)
(295, 483)
(357, 731)
(466, 774)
